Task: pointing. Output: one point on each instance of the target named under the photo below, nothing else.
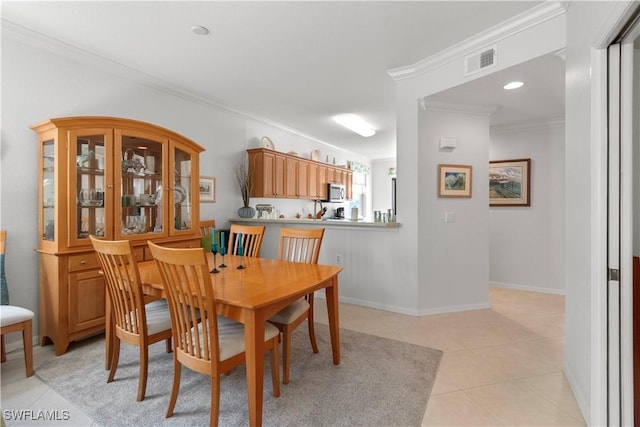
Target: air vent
(479, 61)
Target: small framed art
(207, 189)
(454, 180)
(510, 182)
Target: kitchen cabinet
(116, 179)
(275, 174)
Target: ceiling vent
(481, 60)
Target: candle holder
(223, 251)
(241, 255)
(214, 251)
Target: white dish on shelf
(267, 143)
(179, 195)
(315, 155)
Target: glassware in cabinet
(88, 202)
(141, 172)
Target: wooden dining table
(253, 294)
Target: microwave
(335, 193)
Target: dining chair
(206, 226)
(204, 341)
(297, 245)
(136, 320)
(14, 318)
(251, 239)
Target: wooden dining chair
(14, 318)
(297, 245)
(206, 226)
(136, 320)
(251, 239)
(204, 342)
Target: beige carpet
(379, 382)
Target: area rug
(379, 382)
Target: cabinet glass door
(88, 202)
(142, 196)
(48, 191)
(183, 197)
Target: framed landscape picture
(454, 180)
(207, 189)
(510, 182)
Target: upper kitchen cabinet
(280, 175)
(115, 179)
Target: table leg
(254, 353)
(334, 321)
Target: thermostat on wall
(446, 142)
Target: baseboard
(582, 402)
(528, 288)
(404, 310)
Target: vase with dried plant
(244, 182)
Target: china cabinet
(113, 178)
(283, 175)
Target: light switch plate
(449, 217)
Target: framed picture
(510, 182)
(454, 180)
(207, 189)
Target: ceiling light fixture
(355, 124)
(513, 85)
(199, 30)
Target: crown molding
(57, 47)
(530, 18)
(530, 126)
(447, 107)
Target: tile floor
(501, 366)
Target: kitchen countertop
(325, 222)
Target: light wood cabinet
(112, 178)
(283, 175)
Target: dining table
(250, 290)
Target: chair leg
(115, 357)
(4, 353)
(27, 340)
(144, 369)
(275, 366)
(286, 354)
(215, 401)
(168, 344)
(312, 329)
(177, 370)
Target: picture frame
(510, 182)
(455, 180)
(207, 186)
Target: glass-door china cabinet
(115, 179)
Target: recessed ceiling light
(513, 85)
(199, 30)
(355, 124)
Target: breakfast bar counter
(316, 222)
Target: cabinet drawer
(84, 261)
(89, 260)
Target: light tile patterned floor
(501, 366)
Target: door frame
(612, 28)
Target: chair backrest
(300, 245)
(191, 299)
(206, 226)
(251, 239)
(122, 280)
(4, 287)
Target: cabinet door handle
(83, 262)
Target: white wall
(453, 258)
(527, 243)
